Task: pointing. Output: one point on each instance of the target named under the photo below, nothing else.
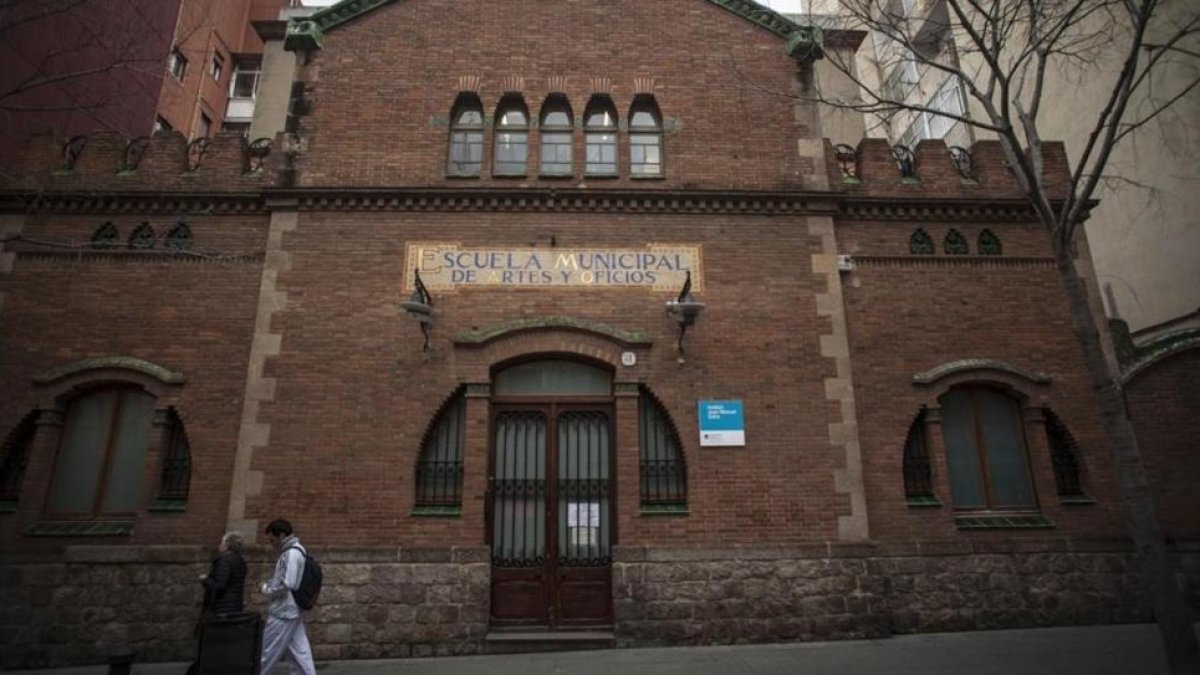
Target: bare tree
(1005, 54)
(74, 66)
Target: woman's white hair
(234, 541)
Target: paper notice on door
(583, 523)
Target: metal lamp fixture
(420, 307)
(685, 309)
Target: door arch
(550, 495)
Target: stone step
(523, 641)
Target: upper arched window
(101, 459)
(466, 137)
(645, 138)
(985, 450)
(600, 137)
(512, 138)
(556, 127)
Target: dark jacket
(225, 585)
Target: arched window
(175, 481)
(920, 243)
(600, 137)
(142, 237)
(440, 467)
(989, 243)
(180, 237)
(105, 236)
(985, 450)
(662, 468)
(556, 127)
(1064, 454)
(466, 137)
(101, 459)
(512, 138)
(956, 243)
(645, 138)
(918, 472)
(14, 457)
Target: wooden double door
(550, 514)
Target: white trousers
(280, 634)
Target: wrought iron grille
(584, 530)
(847, 160)
(905, 161)
(142, 237)
(956, 243)
(135, 151)
(918, 476)
(663, 471)
(440, 469)
(962, 162)
(920, 243)
(14, 457)
(177, 463)
(519, 490)
(180, 237)
(105, 236)
(989, 243)
(1064, 454)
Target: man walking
(285, 623)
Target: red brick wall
(190, 315)
(353, 385)
(395, 73)
(907, 314)
(1163, 400)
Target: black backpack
(310, 582)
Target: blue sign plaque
(722, 423)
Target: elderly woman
(225, 583)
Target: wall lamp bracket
(685, 310)
(420, 307)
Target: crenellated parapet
(164, 162)
(932, 170)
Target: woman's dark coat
(225, 585)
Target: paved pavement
(1093, 650)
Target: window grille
(177, 461)
(511, 139)
(989, 243)
(440, 467)
(142, 237)
(14, 457)
(105, 236)
(600, 137)
(920, 243)
(557, 138)
(466, 137)
(918, 472)
(645, 138)
(662, 467)
(1064, 454)
(180, 237)
(956, 243)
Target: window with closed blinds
(101, 461)
(985, 450)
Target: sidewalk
(1091, 650)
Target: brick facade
(305, 391)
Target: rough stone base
(73, 606)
